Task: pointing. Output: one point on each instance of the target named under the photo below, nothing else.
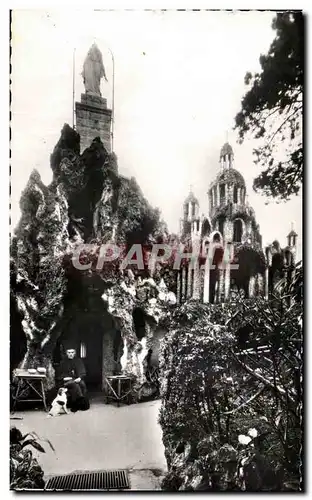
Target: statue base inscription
(93, 119)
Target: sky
(179, 81)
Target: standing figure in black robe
(71, 375)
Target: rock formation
(87, 202)
(38, 247)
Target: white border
(4, 195)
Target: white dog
(59, 404)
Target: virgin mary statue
(93, 71)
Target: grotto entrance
(89, 327)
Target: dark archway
(222, 194)
(206, 228)
(235, 195)
(237, 231)
(216, 238)
(139, 322)
(89, 327)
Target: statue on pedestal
(93, 71)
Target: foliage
(25, 472)
(272, 109)
(292, 288)
(231, 396)
(137, 220)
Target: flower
(253, 433)
(242, 439)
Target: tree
(231, 387)
(272, 109)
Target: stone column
(93, 119)
(267, 273)
(196, 286)
(230, 192)
(206, 281)
(212, 198)
(183, 292)
(252, 282)
(260, 284)
(227, 273)
(218, 194)
(108, 364)
(190, 210)
(221, 284)
(216, 294)
(227, 282)
(178, 287)
(189, 281)
(238, 196)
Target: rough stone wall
(108, 356)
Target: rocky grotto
(112, 316)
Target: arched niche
(237, 230)
(216, 237)
(206, 228)
(222, 194)
(235, 194)
(185, 210)
(288, 257)
(193, 209)
(205, 245)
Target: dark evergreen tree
(272, 109)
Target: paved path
(104, 437)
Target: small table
(122, 392)
(23, 376)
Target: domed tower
(190, 213)
(229, 209)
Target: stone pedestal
(93, 119)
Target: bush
(231, 396)
(25, 472)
